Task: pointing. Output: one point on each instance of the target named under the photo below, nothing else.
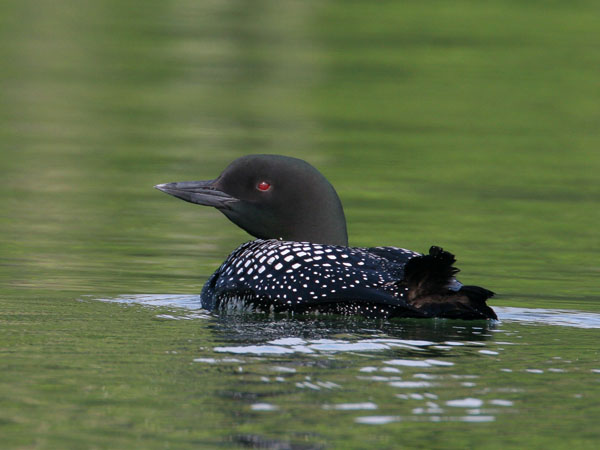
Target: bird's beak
(199, 192)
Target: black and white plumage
(301, 261)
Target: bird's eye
(263, 186)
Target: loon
(301, 261)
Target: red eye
(263, 186)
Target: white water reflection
(411, 384)
(377, 420)
(465, 403)
(488, 352)
(191, 302)
(352, 406)
(383, 420)
(264, 407)
(542, 316)
(417, 362)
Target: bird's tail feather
(428, 277)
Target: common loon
(301, 261)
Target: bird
(300, 261)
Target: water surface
(472, 126)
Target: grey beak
(199, 192)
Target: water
(470, 126)
(394, 378)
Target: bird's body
(301, 261)
(301, 276)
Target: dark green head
(272, 197)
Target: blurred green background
(473, 125)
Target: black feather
(430, 274)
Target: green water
(470, 125)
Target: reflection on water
(419, 370)
(562, 317)
(541, 316)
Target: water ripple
(526, 316)
(542, 316)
